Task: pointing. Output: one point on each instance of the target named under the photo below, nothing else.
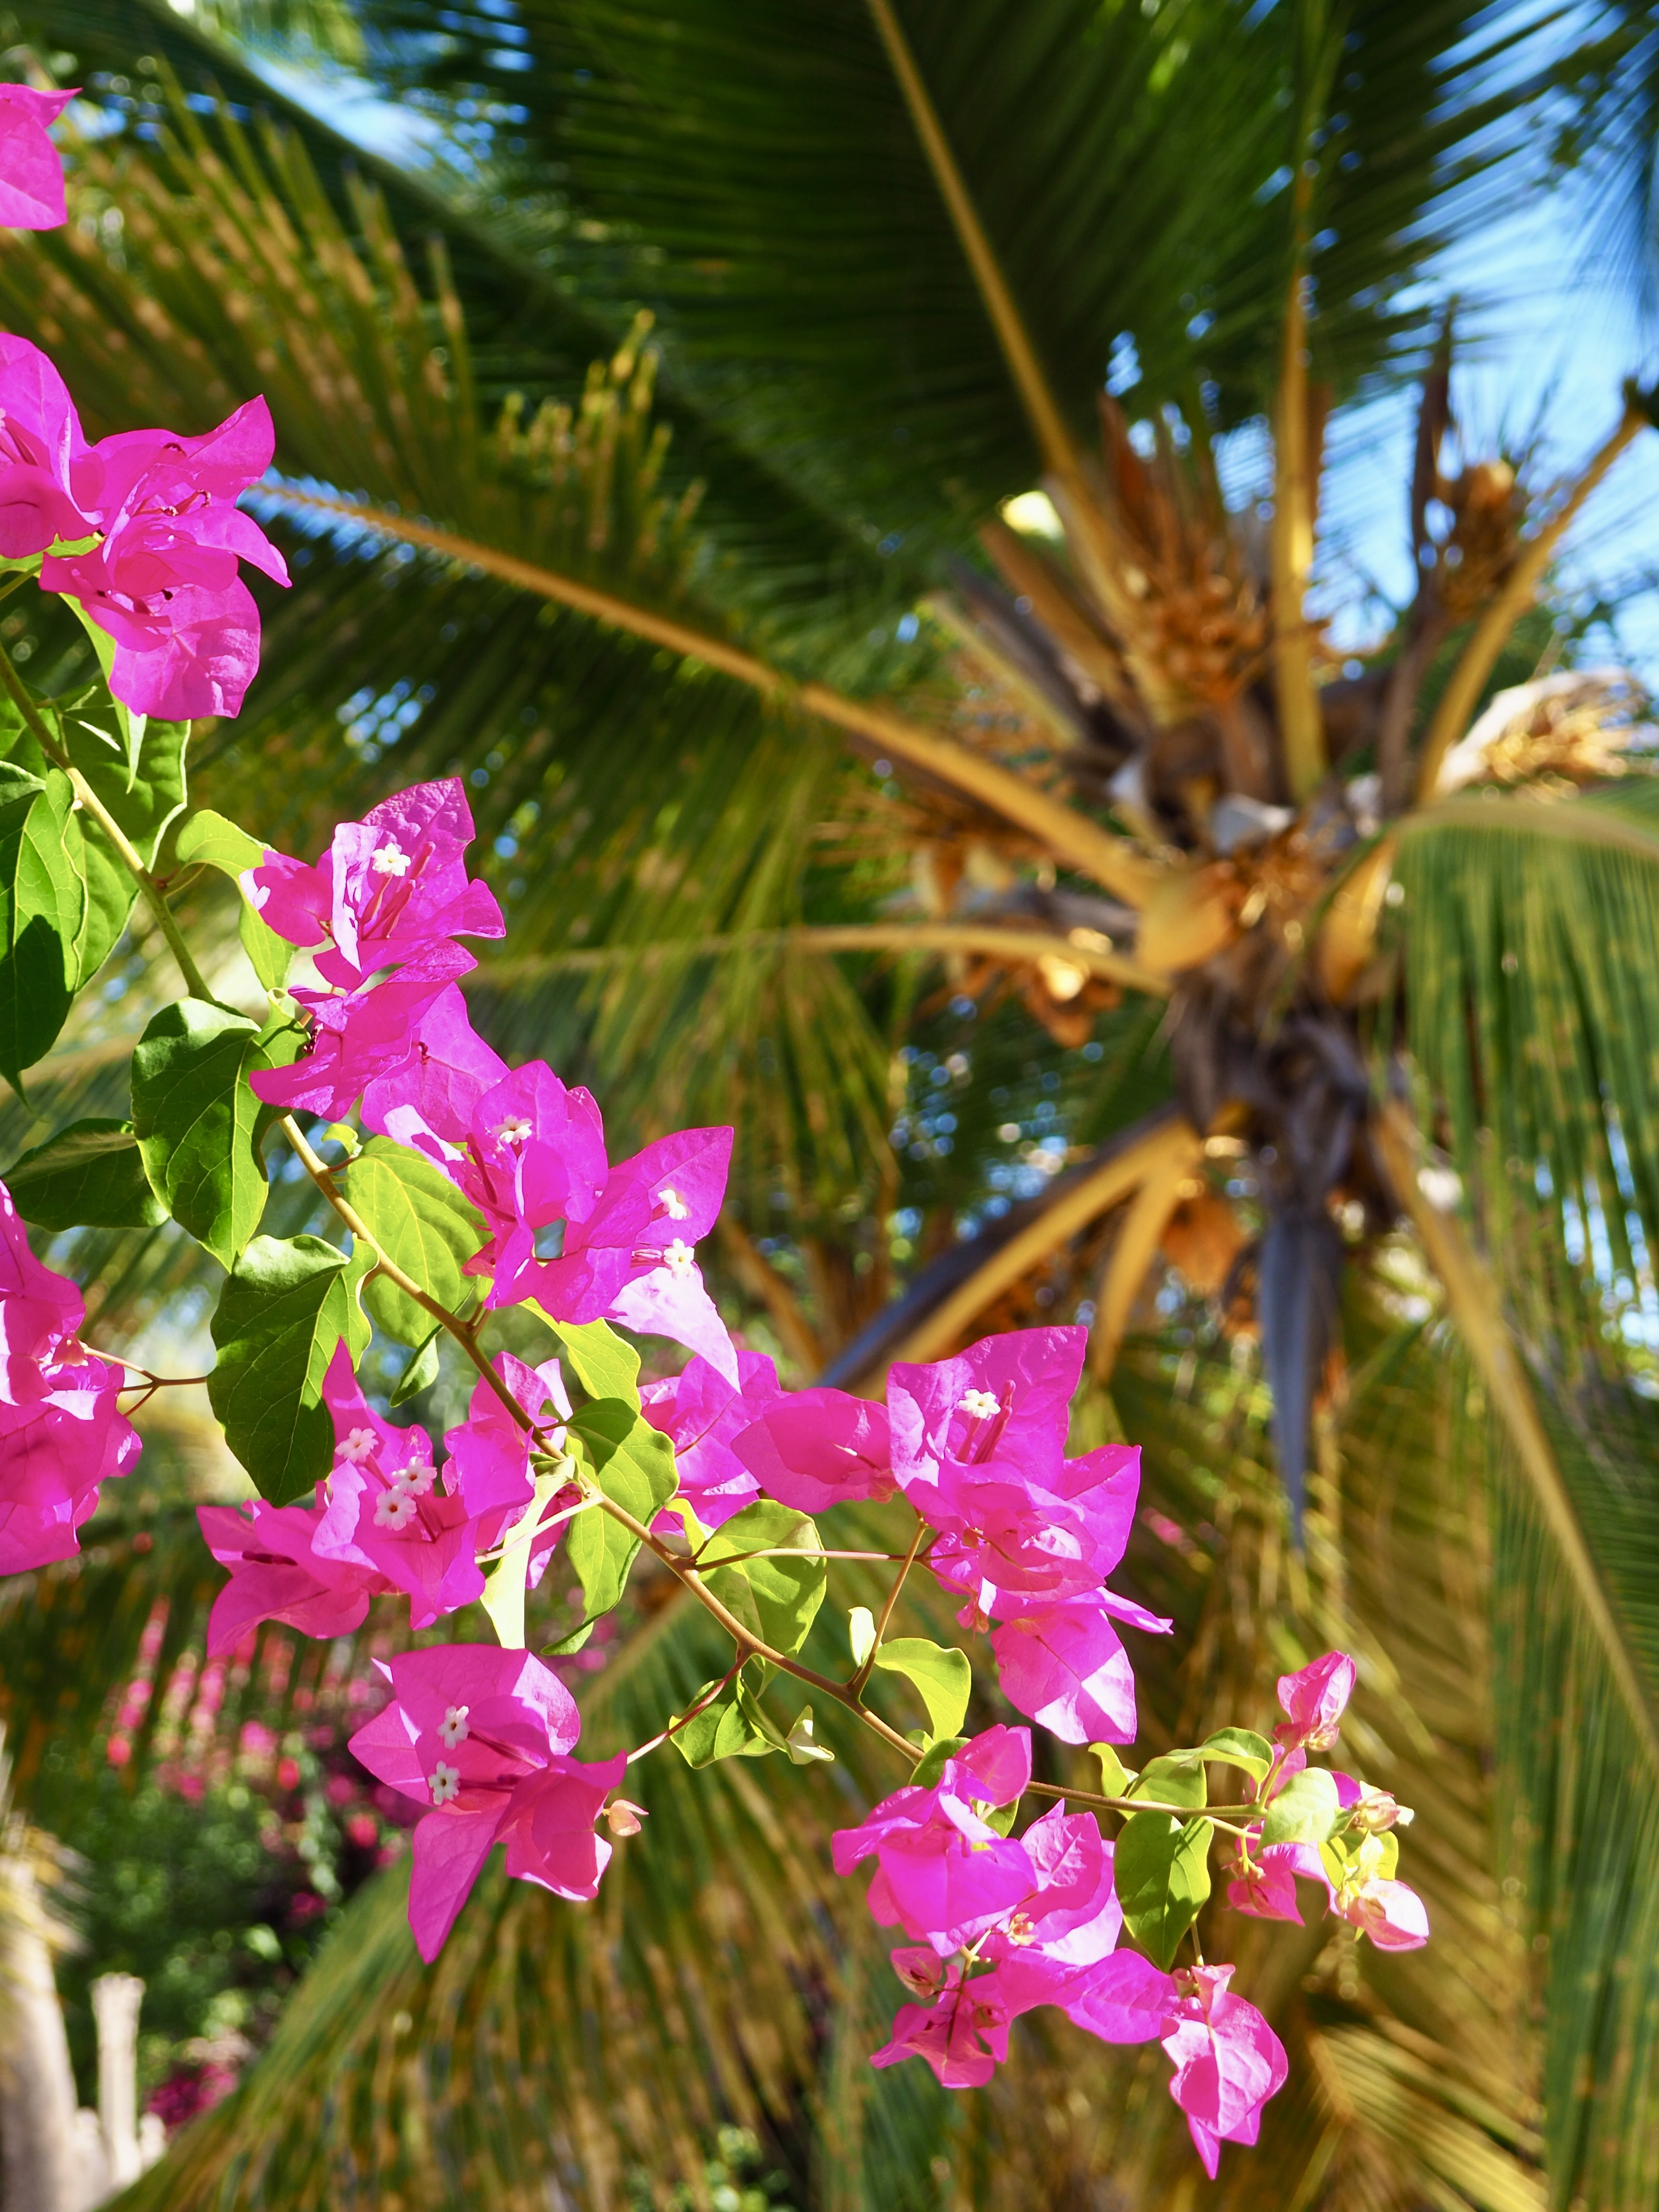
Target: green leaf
(144, 791)
(732, 1727)
(42, 907)
(199, 1123)
(634, 1462)
(286, 1305)
(1236, 1746)
(420, 1371)
(778, 1598)
(1305, 1811)
(209, 841)
(1114, 1776)
(131, 725)
(89, 1176)
(1177, 1779)
(600, 1552)
(504, 1589)
(943, 1678)
(421, 1223)
(1161, 1868)
(929, 1767)
(862, 1633)
(604, 1363)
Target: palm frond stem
(1480, 657)
(1071, 837)
(1566, 822)
(1474, 1306)
(1144, 1225)
(1299, 719)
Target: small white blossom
(672, 1204)
(446, 1783)
(357, 1446)
(413, 1480)
(680, 1258)
(980, 1403)
(453, 1729)
(390, 860)
(516, 1129)
(394, 1510)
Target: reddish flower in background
(481, 1736)
(61, 1431)
(31, 168)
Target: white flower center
(1022, 1929)
(446, 1783)
(680, 1258)
(980, 1403)
(390, 860)
(394, 1510)
(672, 1204)
(358, 1445)
(413, 1480)
(454, 1730)
(516, 1129)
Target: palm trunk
(38, 2135)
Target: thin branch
(858, 1680)
(1114, 1180)
(1141, 1804)
(1072, 838)
(1457, 701)
(91, 803)
(1029, 946)
(1475, 1307)
(1053, 439)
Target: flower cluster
(716, 1468)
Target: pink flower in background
(1228, 2062)
(815, 1448)
(275, 1574)
(632, 1259)
(389, 888)
(163, 581)
(61, 1431)
(481, 1736)
(30, 170)
(1315, 1699)
(701, 1414)
(40, 440)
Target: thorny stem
(856, 1684)
(126, 852)
(323, 1176)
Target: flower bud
(622, 1817)
(1377, 1812)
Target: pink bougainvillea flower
(1005, 1401)
(30, 170)
(1228, 2062)
(815, 1448)
(701, 1414)
(406, 1041)
(61, 1430)
(1050, 1945)
(1064, 1666)
(1126, 1999)
(943, 1874)
(163, 580)
(481, 1736)
(633, 1259)
(530, 1154)
(388, 889)
(1315, 1699)
(275, 1574)
(489, 1453)
(1266, 1889)
(962, 2034)
(40, 440)
(447, 1067)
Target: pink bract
(816, 1448)
(31, 169)
(1228, 2062)
(482, 1735)
(40, 440)
(489, 1460)
(1314, 1698)
(275, 1574)
(701, 1414)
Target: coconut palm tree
(1071, 926)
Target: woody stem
(125, 851)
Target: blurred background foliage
(666, 307)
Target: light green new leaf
(89, 1176)
(144, 790)
(423, 1225)
(731, 1726)
(1305, 1811)
(604, 1363)
(1162, 1872)
(42, 907)
(209, 841)
(1237, 1747)
(778, 1598)
(197, 1121)
(931, 1765)
(943, 1678)
(1114, 1776)
(600, 1552)
(1177, 1779)
(287, 1304)
(632, 1463)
